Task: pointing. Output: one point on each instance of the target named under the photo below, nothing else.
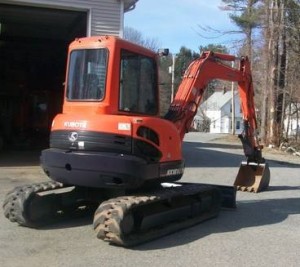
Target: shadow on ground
(248, 214)
(204, 155)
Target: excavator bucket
(252, 177)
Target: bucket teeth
(247, 189)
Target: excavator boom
(209, 66)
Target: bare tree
(137, 37)
(266, 66)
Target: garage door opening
(33, 52)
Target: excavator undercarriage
(126, 220)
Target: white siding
(225, 124)
(215, 120)
(218, 109)
(105, 16)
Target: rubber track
(109, 216)
(17, 201)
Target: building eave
(129, 5)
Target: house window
(238, 125)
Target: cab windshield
(87, 74)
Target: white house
(217, 110)
(292, 121)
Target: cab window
(138, 84)
(87, 74)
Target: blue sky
(174, 23)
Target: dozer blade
(252, 177)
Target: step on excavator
(112, 154)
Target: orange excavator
(111, 153)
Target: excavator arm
(207, 67)
(254, 174)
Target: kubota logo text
(75, 124)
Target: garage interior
(33, 52)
